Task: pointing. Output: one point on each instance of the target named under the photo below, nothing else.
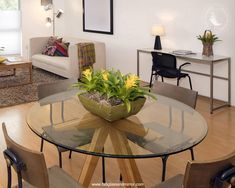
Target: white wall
(34, 19)
(183, 21)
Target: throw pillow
(61, 49)
(49, 49)
(52, 40)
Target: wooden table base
(128, 167)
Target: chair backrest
(162, 60)
(202, 174)
(186, 96)
(36, 170)
(45, 90)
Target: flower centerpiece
(208, 39)
(110, 94)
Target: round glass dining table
(163, 127)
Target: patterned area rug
(10, 96)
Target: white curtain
(10, 31)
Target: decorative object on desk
(208, 39)
(158, 31)
(110, 94)
(182, 52)
(2, 59)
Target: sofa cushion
(59, 62)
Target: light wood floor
(219, 142)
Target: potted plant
(208, 39)
(110, 94)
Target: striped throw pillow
(61, 49)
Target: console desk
(198, 58)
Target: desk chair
(46, 90)
(30, 166)
(164, 65)
(218, 173)
(186, 96)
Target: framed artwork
(98, 16)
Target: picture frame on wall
(98, 16)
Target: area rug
(10, 96)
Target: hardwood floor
(219, 142)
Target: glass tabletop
(162, 127)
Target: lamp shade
(59, 13)
(158, 31)
(46, 2)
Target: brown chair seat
(175, 182)
(58, 178)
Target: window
(10, 31)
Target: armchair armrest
(187, 63)
(36, 45)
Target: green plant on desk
(208, 39)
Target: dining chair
(165, 65)
(219, 173)
(45, 90)
(30, 166)
(186, 96)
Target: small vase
(207, 49)
(111, 113)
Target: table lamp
(158, 31)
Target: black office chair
(164, 65)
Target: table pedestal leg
(128, 167)
(91, 162)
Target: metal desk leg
(211, 87)
(229, 82)
(138, 63)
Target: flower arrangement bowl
(109, 112)
(110, 94)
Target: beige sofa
(67, 67)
